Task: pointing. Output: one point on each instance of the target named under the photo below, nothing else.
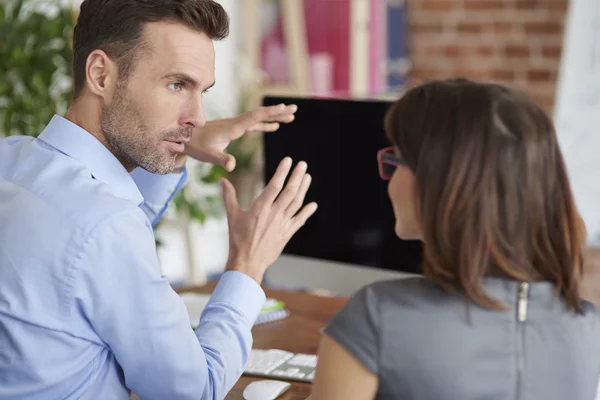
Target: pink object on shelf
(377, 46)
(328, 31)
(274, 60)
(321, 72)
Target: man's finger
(270, 113)
(230, 163)
(219, 158)
(281, 115)
(300, 196)
(275, 185)
(272, 125)
(229, 197)
(288, 109)
(211, 156)
(291, 189)
(300, 219)
(264, 127)
(262, 114)
(285, 118)
(267, 119)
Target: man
(84, 311)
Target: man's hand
(208, 144)
(257, 236)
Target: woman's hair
(493, 196)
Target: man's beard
(132, 142)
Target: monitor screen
(354, 223)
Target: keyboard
(274, 363)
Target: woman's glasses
(388, 162)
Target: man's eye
(176, 86)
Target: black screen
(354, 223)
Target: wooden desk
(298, 333)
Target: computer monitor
(354, 223)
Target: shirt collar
(79, 144)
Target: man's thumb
(221, 159)
(224, 160)
(229, 196)
(213, 156)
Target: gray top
(417, 338)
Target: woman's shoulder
(422, 292)
(413, 282)
(409, 291)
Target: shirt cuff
(240, 291)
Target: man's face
(153, 111)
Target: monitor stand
(293, 272)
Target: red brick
(453, 51)
(526, 4)
(541, 75)
(517, 51)
(503, 74)
(502, 27)
(426, 27)
(434, 5)
(552, 51)
(427, 73)
(469, 27)
(558, 5)
(484, 50)
(552, 5)
(483, 4)
(436, 50)
(543, 27)
(472, 73)
(545, 5)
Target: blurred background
(349, 49)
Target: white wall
(340, 278)
(222, 100)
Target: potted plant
(35, 65)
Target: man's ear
(101, 74)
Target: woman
(476, 174)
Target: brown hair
(492, 190)
(116, 26)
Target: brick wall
(517, 42)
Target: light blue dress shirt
(84, 310)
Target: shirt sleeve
(158, 190)
(356, 327)
(139, 317)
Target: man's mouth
(177, 146)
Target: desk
(298, 333)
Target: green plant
(35, 62)
(201, 207)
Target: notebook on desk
(273, 310)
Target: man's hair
(493, 196)
(116, 27)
